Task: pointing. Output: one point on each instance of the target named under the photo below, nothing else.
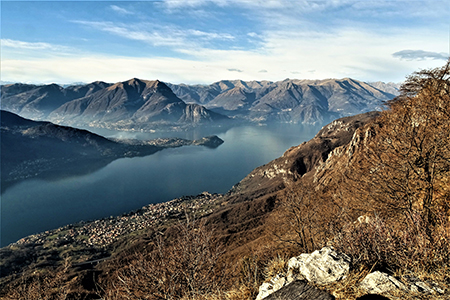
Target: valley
(330, 188)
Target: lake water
(127, 184)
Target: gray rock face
(322, 266)
(300, 290)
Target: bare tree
(303, 215)
(184, 267)
(406, 159)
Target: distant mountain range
(148, 105)
(290, 100)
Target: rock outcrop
(381, 283)
(326, 266)
(320, 267)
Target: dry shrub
(48, 285)
(276, 266)
(249, 276)
(394, 245)
(241, 293)
(184, 268)
(252, 270)
(303, 217)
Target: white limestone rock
(322, 266)
(379, 282)
(273, 285)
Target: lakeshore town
(101, 233)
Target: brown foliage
(378, 242)
(304, 216)
(42, 286)
(186, 267)
(405, 164)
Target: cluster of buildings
(101, 233)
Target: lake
(127, 184)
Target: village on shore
(101, 233)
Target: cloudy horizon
(203, 41)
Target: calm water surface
(127, 184)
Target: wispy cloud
(121, 10)
(32, 45)
(235, 70)
(209, 35)
(156, 38)
(420, 55)
(179, 39)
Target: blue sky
(203, 41)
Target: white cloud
(209, 35)
(290, 41)
(121, 10)
(179, 39)
(32, 45)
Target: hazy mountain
(390, 87)
(147, 105)
(37, 101)
(290, 100)
(132, 103)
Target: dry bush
(405, 164)
(41, 286)
(304, 217)
(276, 266)
(388, 244)
(184, 268)
(240, 293)
(252, 270)
(249, 276)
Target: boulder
(379, 282)
(322, 266)
(300, 290)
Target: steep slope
(235, 99)
(132, 103)
(243, 223)
(37, 101)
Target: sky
(204, 41)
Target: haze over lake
(127, 184)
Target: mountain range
(148, 105)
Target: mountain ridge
(138, 104)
